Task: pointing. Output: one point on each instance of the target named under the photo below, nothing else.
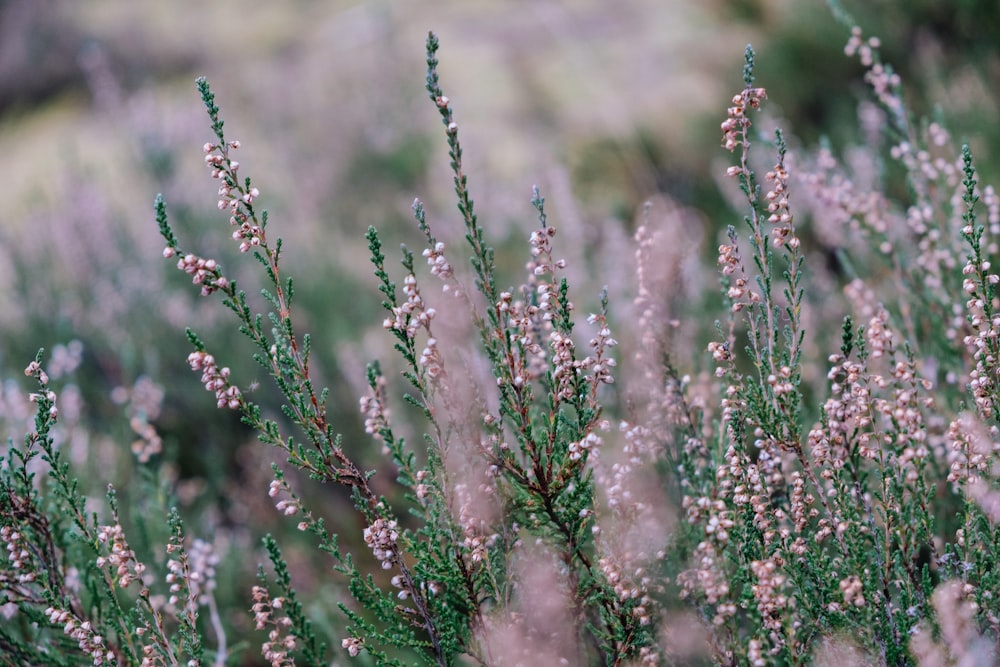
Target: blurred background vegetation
(603, 104)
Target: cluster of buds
(801, 503)
(152, 653)
(547, 295)
(737, 290)
(18, 554)
(478, 545)
(233, 197)
(564, 366)
(722, 356)
(542, 264)
(381, 538)
(289, 506)
(437, 261)
(34, 370)
(204, 272)
(413, 313)
(729, 258)
(850, 412)
(422, 489)
(191, 572)
(49, 396)
(352, 645)
(864, 48)
(399, 581)
(852, 589)
(589, 443)
(972, 450)
(709, 580)
(541, 252)
(249, 235)
(215, 379)
(879, 336)
(781, 382)
(477, 537)
(599, 364)
(981, 343)
(432, 361)
(771, 601)
(734, 128)
(881, 78)
(120, 557)
(522, 323)
(904, 412)
(267, 611)
(777, 207)
(178, 577)
(629, 588)
(885, 82)
(730, 261)
(219, 162)
(83, 632)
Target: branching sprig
(282, 352)
(774, 332)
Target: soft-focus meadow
(611, 108)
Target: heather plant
(845, 526)
(820, 484)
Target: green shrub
(820, 485)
